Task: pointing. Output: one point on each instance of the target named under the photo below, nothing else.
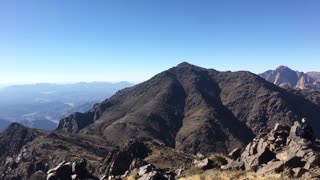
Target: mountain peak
(15, 125)
(185, 64)
(282, 67)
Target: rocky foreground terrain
(170, 127)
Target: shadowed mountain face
(194, 109)
(286, 77)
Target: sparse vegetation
(218, 159)
(233, 175)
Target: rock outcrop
(127, 158)
(277, 150)
(70, 171)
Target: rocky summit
(169, 126)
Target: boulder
(200, 156)
(235, 153)
(67, 171)
(80, 167)
(145, 169)
(119, 162)
(63, 170)
(271, 166)
(298, 172)
(39, 175)
(52, 176)
(310, 176)
(204, 164)
(150, 176)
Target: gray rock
(200, 156)
(271, 166)
(80, 167)
(52, 176)
(235, 154)
(204, 164)
(145, 169)
(39, 175)
(298, 172)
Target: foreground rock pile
(128, 161)
(276, 151)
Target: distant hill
(195, 110)
(286, 77)
(42, 105)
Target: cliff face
(286, 77)
(195, 109)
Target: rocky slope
(194, 109)
(286, 77)
(26, 153)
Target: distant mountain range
(43, 105)
(286, 77)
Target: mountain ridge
(189, 107)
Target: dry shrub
(233, 175)
(131, 178)
(218, 159)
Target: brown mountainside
(194, 109)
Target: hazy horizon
(59, 41)
(3, 85)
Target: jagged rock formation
(286, 77)
(277, 150)
(195, 110)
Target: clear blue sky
(113, 40)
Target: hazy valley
(43, 105)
